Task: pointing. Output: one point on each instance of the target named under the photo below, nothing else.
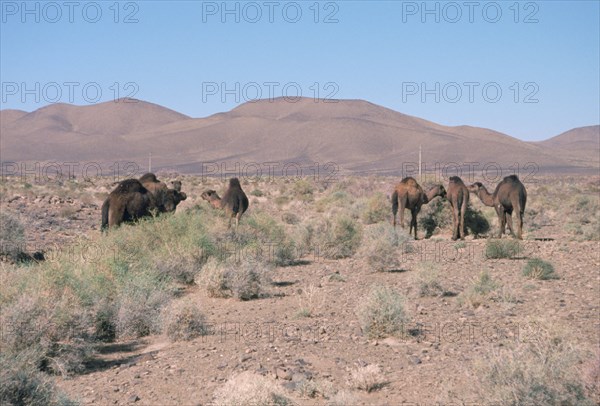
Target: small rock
(133, 398)
(283, 373)
(414, 359)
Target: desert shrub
(377, 209)
(342, 398)
(382, 246)
(381, 312)
(428, 279)
(479, 291)
(21, 385)
(335, 238)
(248, 388)
(537, 268)
(495, 249)
(303, 190)
(52, 332)
(290, 218)
(591, 377)
(139, 308)
(584, 217)
(265, 235)
(183, 321)
(435, 215)
(242, 280)
(12, 235)
(257, 193)
(367, 378)
(336, 198)
(309, 301)
(541, 371)
(476, 223)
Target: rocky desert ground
(315, 300)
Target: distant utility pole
(420, 178)
(150, 162)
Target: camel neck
(432, 193)
(485, 197)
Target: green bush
(381, 312)
(496, 249)
(537, 268)
(377, 209)
(335, 238)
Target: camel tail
(105, 208)
(395, 202)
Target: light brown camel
(234, 201)
(409, 195)
(510, 195)
(458, 196)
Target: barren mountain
(580, 146)
(356, 135)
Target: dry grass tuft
(381, 312)
(248, 388)
(367, 378)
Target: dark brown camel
(409, 195)
(234, 201)
(510, 195)
(130, 201)
(458, 196)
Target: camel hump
(512, 178)
(235, 182)
(130, 186)
(456, 179)
(148, 177)
(409, 180)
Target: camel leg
(237, 221)
(509, 223)
(115, 214)
(414, 221)
(402, 207)
(502, 221)
(455, 224)
(462, 218)
(519, 224)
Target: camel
(510, 195)
(409, 195)
(130, 201)
(234, 201)
(458, 196)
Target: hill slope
(356, 135)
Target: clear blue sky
(376, 51)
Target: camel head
(212, 197)
(176, 185)
(172, 198)
(475, 187)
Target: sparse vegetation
(541, 371)
(428, 279)
(537, 268)
(242, 280)
(381, 312)
(367, 378)
(479, 291)
(12, 235)
(378, 209)
(334, 238)
(383, 246)
(183, 321)
(248, 388)
(507, 248)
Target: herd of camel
(136, 198)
